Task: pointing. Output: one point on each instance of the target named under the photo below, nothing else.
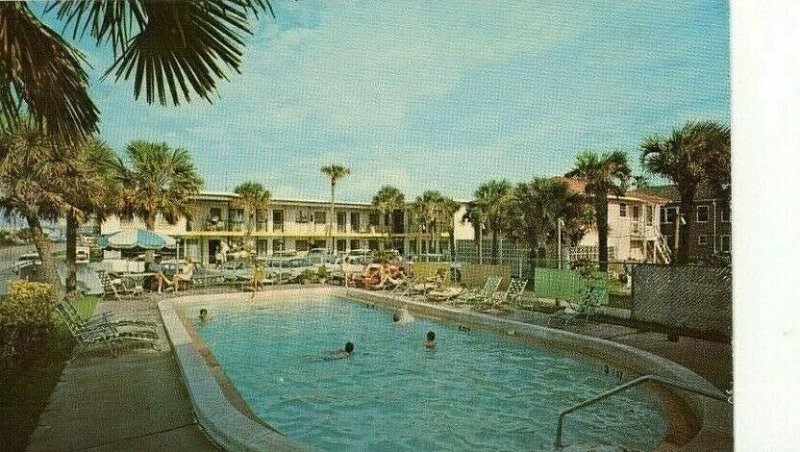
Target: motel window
(649, 215)
(636, 212)
(278, 245)
(702, 240)
(702, 214)
(320, 217)
(623, 209)
(726, 214)
(215, 213)
(725, 243)
(301, 245)
(669, 214)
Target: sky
(437, 95)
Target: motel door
(213, 247)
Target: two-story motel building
(218, 222)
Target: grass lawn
(24, 396)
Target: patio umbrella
(137, 239)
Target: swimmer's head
(431, 335)
(396, 317)
(348, 347)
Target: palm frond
(42, 77)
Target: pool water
(473, 391)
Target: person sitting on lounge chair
(388, 276)
(184, 275)
(161, 278)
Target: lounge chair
(512, 295)
(112, 288)
(103, 333)
(486, 293)
(100, 320)
(444, 294)
(591, 298)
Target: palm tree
(476, 215)
(695, 154)
(28, 163)
(433, 212)
(447, 212)
(93, 165)
(158, 182)
(252, 197)
(170, 49)
(604, 174)
(334, 173)
(387, 200)
(492, 198)
(535, 209)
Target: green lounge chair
(105, 318)
(591, 298)
(486, 293)
(512, 295)
(103, 333)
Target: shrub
(26, 319)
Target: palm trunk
(72, 268)
(150, 225)
(451, 233)
(602, 233)
(390, 226)
(45, 249)
(532, 262)
(333, 201)
(685, 230)
(495, 253)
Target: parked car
(236, 270)
(431, 258)
(82, 254)
(318, 251)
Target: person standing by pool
(258, 275)
(430, 339)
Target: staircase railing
(714, 395)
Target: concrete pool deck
(138, 401)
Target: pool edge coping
(226, 425)
(714, 417)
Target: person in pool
(402, 316)
(204, 317)
(430, 339)
(345, 352)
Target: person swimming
(204, 317)
(345, 352)
(402, 316)
(430, 339)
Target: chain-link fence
(696, 298)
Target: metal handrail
(630, 384)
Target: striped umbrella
(137, 239)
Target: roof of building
(579, 185)
(670, 192)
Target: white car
(82, 255)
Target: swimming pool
(474, 391)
